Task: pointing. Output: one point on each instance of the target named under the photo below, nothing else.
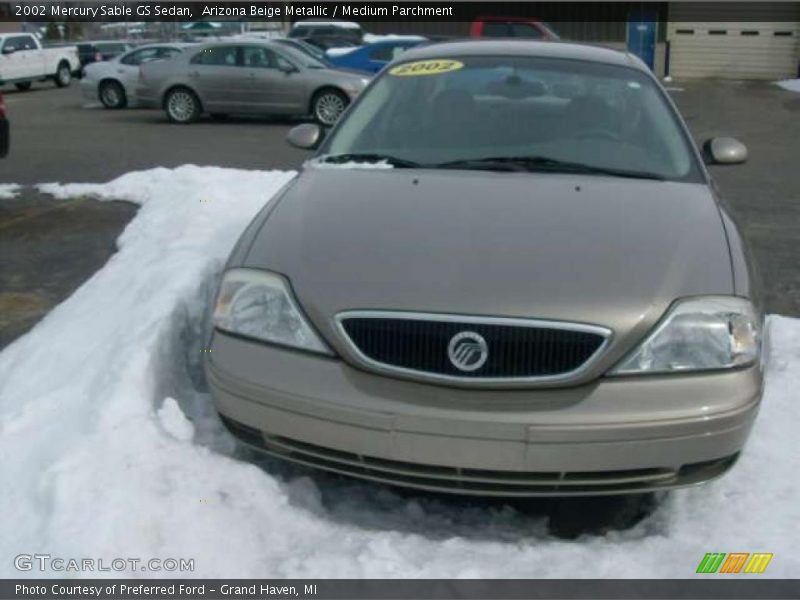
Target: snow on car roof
(343, 24)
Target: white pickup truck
(23, 60)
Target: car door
(127, 67)
(276, 83)
(214, 72)
(9, 61)
(17, 60)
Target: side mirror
(9, 50)
(306, 136)
(724, 151)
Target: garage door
(735, 49)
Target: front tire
(112, 95)
(23, 86)
(182, 106)
(63, 76)
(328, 105)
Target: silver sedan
(247, 77)
(114, 81)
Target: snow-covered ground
(793, 85)
(109, 447)
(8, 190)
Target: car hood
(600, 250)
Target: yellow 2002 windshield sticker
(426, 67)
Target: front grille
(515, 349)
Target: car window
(219, 56)
(20, 42)
(495, 29)
(602, 116)
(259, 57)
(525, 30)
(139, 56)
(164, 53)
(112, 48)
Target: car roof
(237, 41)
(95, 42)
(550, 49)
(180, 45)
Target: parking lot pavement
(765, 191)
(56, 139)
(53, 247)
(49, 248)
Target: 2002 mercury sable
(506, 271)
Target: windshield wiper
(367, 157)
(543, 164)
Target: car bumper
(616, 435)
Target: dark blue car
(372, 57)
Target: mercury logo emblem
(467, 351)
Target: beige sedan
(507, 271)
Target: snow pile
(336, 51)
(112, 450)
(9, 190)
(372, 38)
(793, 85)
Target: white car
(24, 60)
(114, 81)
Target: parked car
(256, 77)
(114, 81)
(24, 60)
(497, 294)
(92, 52)
(373, 57)
(511, 27)
(314, 27)
(5, 132)
(328, 34)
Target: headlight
(260, 305)
(714, 332)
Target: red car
(511, 27)
(3, 128)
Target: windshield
(541, 112)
